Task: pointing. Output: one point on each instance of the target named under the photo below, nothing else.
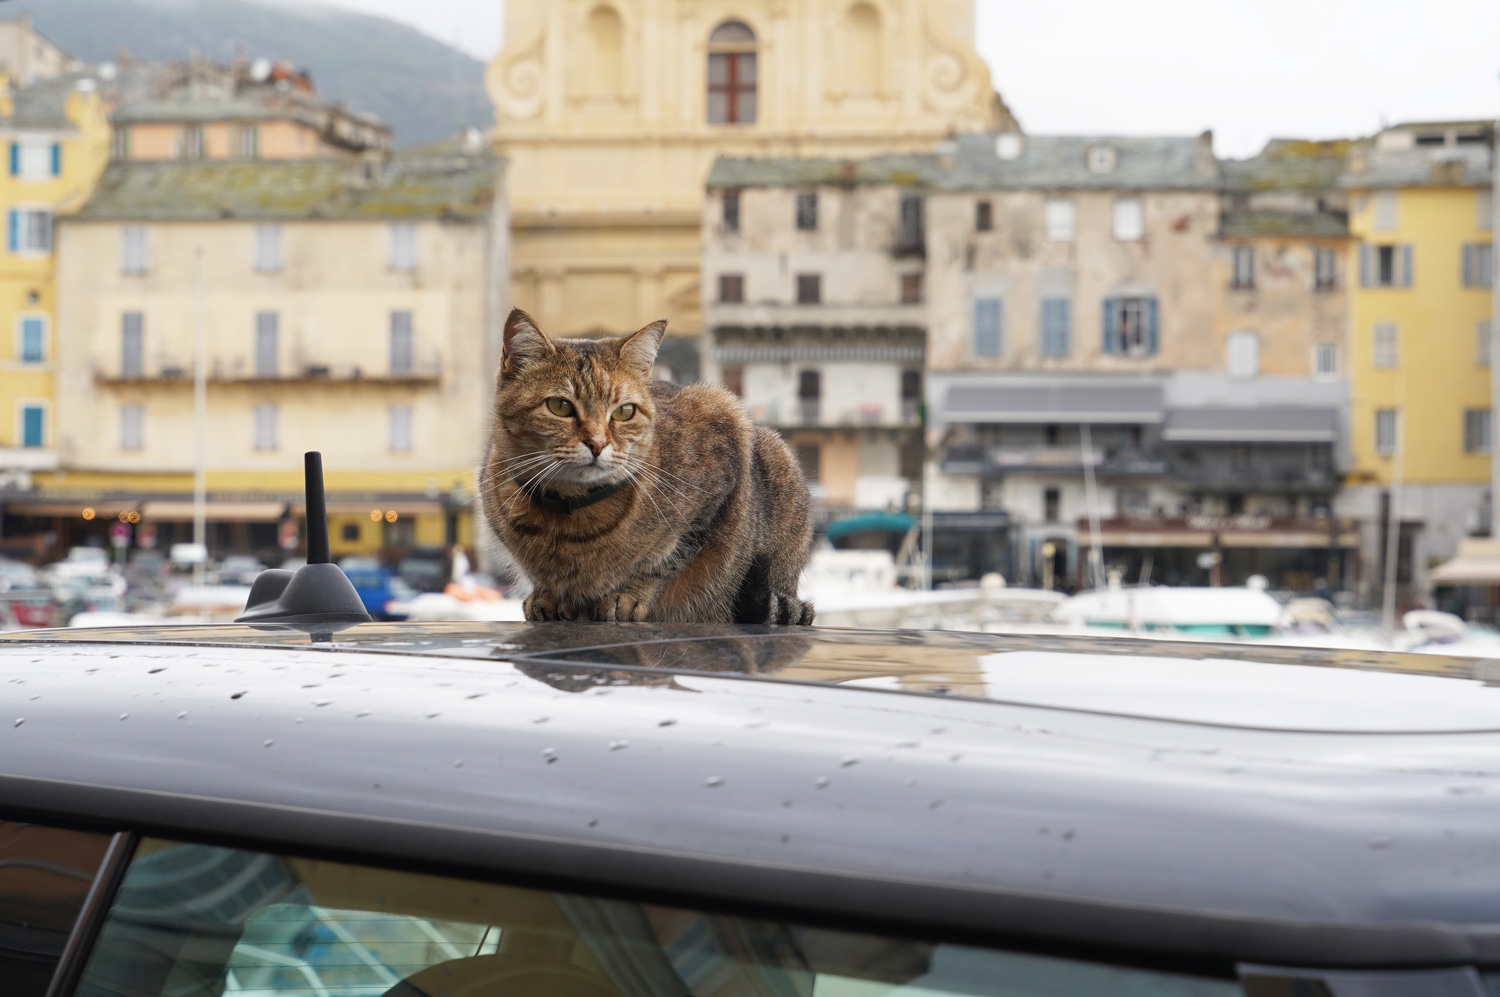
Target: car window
(45, 873)
(193, 920)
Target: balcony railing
(815, 413)
(167, 372)
(980, 459)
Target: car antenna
(318, 597)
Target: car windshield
(195, 920)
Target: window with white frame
(265, 426)
(1243, 355)
(1130, 220)
(1325, 269)
(1477, 430)
(133, 258)
(1478, 264)
(1244, 266)
(1325, 361)
(1482, 343)
(1385, 431)
(268, 248)
(1385, 354)
(1131, 326)
(1385, 211)
(35, 158)
(403, 246)
(132, 426)
(1061, 219)
(30, 230)
(31, 336)
(400, 428)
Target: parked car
(17, 574)
(378, 586)
(637, 810)
(239, 569)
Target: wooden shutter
(1403, 278)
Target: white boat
(1229, 613)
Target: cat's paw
(788, 610)
(541, 607)
(622, 607)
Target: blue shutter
(56, 158)
(31, 340)
(15, 159)
(987, 327)
(32, 433)
(1055, 326)
(1152, 340)
(15, 231)
(1404, 278)
(1111, 323)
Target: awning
(1262, 424)
(107, 508)
(1476, 563)
(402, 507)
(174, 510)
(1058, 401)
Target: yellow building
(54, 140)
(611, 115)
(345, 305)
(1420, 306)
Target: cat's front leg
(626, 606)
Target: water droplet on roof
(36, 697)
(361, 713)
(909, 744)
(474, 695)
(322, 702)
(713, 781)
(954, 758)
(1068, 834)
(458, 764)
(821, 782)
(1380, 842)
(1465, 790)
(237, 695)
(539, 720)
(182, 715)
(938, 730)
(594, 822)
(549, 752)
(153, 671)
(848, 761)
(19, 721)
(268, 743)
(297, 720)
(934, 804)
(124, 716)
(312, 685)
(434, 716)
(618, 745)
(666, 723)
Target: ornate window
(732, 75)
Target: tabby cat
(620, 497)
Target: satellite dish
(106, 71)
(260, 70)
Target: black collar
(566, 505)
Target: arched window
(862, 49)
(731, 75)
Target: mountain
(425, 90)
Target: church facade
(612, 112)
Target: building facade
(815, 316)
(55, 140)
(612, 113)
(341, 311)
(1420, 312)
(27, 56)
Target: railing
(427, 370)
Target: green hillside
(424, 89)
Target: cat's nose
(596, 445)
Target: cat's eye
(559, 406)
(624, 413)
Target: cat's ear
(639, 350)
(524, 343)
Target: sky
(1247, 70)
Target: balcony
(1116, 461)
(814, 413)
(424, 372)
(828, 315)
(1254, 477)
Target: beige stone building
(348, 306)
(815, 316)
(26, 55)
(611, 113)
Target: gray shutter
(1152, 340)
(401, 342)
(988, 329)
(132, 345)
(266, 329)
(1366, 265)
(1468, 264)
(1404, 278)
(1111, 323)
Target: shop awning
(175, 510)
(69, 507)
(1476, 563)
(871, 522)
(1058, 401)
(1262, 424)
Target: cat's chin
(592, 475)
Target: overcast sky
(1248, 70)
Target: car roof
(1278, 804)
